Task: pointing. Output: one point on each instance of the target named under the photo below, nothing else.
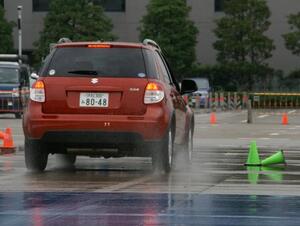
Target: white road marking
(231, 154)
(263, 116)
(291, 112)
(274, 134)
(244, 121)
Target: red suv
(106, 99)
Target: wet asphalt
(215, 189)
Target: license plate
(94, 100)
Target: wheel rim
(170, 148)
(190, 145)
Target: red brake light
(99, 46)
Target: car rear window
(106, 62)
(202, 83)
(9, 75)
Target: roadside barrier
(269, 100)
(239, 100)
(8, 143)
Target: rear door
(95, 80)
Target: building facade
(126, 15)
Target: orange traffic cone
(285, 119)
(8, 140)
(213, 118)
(8, 143)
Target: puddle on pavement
(7, 162)
(273, 174)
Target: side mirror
(188, 86)
(34, 76)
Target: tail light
(37, 92)
(153, 94)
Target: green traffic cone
(277, 158)
(253, 156)
(253, 174)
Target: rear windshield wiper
(84, 72)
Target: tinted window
(40, 5)
(202, 83)
(112, 5)
(219, 5)
(162, 69)
(9, 75)
(108, 5)
(150, 64)
(111, 62)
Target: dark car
(106, 99)
(14, 86)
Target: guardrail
(237, 101)
(275, 100)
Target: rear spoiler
(13, 58)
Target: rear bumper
(95, 128)
(78, 138)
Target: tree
(6, 38)
(292, 39)
(78, 20)
(241, 42)
(167, 23)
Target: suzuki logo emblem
(94, 80)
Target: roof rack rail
(64, 40)
(151, 43)
(13, 57)
(60, 41)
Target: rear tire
(163, 154)
(18, 115)
(36, 155)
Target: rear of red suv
(101, 100)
